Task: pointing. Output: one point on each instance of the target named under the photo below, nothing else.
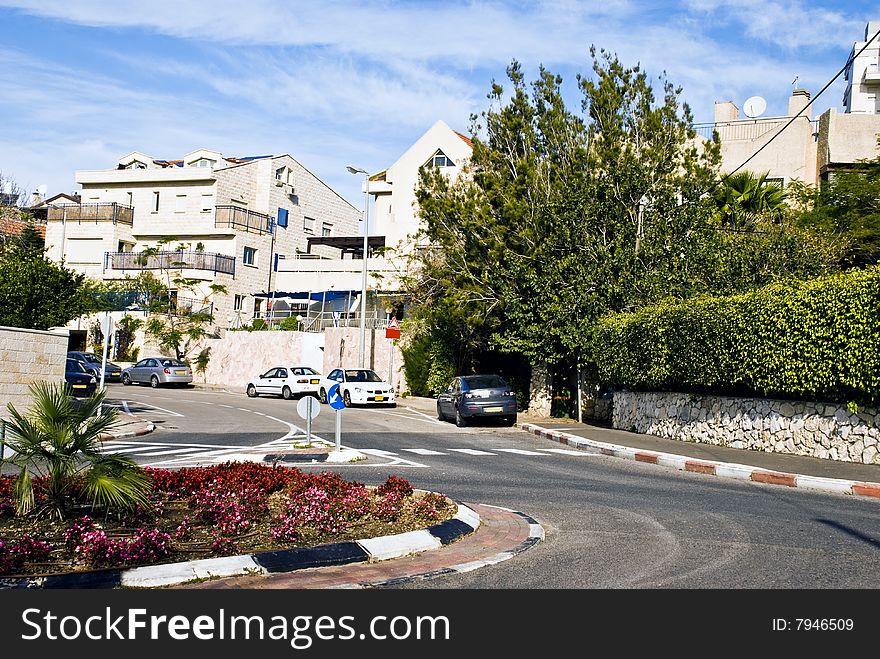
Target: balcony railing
(318, 321)
(170, 261)
(100, 212)
(745, 129)
(185, 306)
(234, 217)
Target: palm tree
(745, 197)
(59, 441)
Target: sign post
(392, 331)
(308, 408)
(334, 399)
(105, 327)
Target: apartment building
(794, 146)
(393, 224)
(233, 220)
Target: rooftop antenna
(754, 107)
(42, 188)
(794, 82)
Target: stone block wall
(821, 430)
(28, 356)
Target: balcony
(235, 217)
(100, 212)
(170, 260)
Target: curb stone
(536, 535)
(147, 429)
(711, 467)
(465, 521)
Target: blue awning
(316, 296)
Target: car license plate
(115, 373)
(494, 409)
(380, 397)
(79, 386)
(314, 381)
(180, 372)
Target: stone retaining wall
(26, 356)
(821, 430)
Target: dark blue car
(477, 396)
(92, 364)
(79, 381)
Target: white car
(358, 386)
(286, 381)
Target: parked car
(358, 386)
(79, 381)
(158, 370)
(92, 362)
(286, 381)
(477, 396)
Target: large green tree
(846, 209)
(38, 293)
(561, 217)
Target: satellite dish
(42, 188)
(754, 106)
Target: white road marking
(471, 451)
(229, 406)
(128, 449)
(156, 407)
(568, 451)
(519, 451)
(423, 451)
(377, 452)
(173, 451)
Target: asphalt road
(609, 523)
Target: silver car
(158, 370)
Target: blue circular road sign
(334, 398)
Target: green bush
(417, 364)
(817, 339)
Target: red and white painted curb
(728, 469)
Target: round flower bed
(201, 512)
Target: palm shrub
(58, 443)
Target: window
(278, 257)
(250, 256)
(326, 229)
(136, 164)
(284, 174)
(439, 159)
(309, 224)
(155, 206)
(207, 203)
(281, 373)
(180, 203)
(203, 162)
(238, 303)
(282, 217)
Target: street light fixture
(358, 170)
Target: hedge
(816, 339)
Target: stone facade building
(232, 221)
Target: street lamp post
(362, 350)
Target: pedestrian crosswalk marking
(194, 454)
(170, 452)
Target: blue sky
(339, 82)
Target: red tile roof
(465, 138)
